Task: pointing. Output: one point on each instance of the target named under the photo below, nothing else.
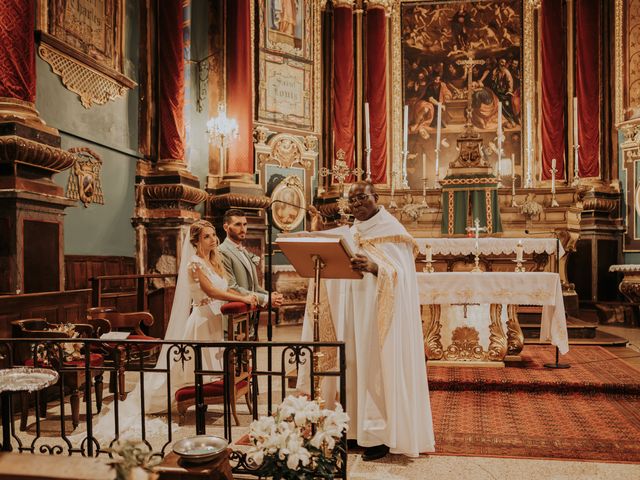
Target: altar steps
(580, 332)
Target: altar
(496, 253)
(472, 316)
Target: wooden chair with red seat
(130, 322)
(74, 373)
(238, 315)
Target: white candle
(405, 129)
(529, 144)
(513, 174)
(366, 125)
(424, 166)
(499, 123)
(367, 138)
(575, 120)
(439, 126)
(576, 165)
(519, 251)
(428, 254)
(553, 175)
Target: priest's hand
(276, 299)
(362, 263)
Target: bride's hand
(251, 300)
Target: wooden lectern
(318, 256)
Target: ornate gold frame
(528, 79)
(262, 52)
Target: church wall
(111, 131)
(197, 143)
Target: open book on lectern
(335, 248)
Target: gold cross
(468, 66)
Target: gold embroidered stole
(387, 277)
(329, 360)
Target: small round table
(20, 379)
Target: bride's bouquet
(300, 441)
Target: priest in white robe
(378, 318)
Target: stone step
(576, 328)
(580, 332)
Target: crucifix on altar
(468, 65)
(470, 189)
(476, 229)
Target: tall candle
(575, 120)
(576, 156)
(513, 174)
(405, 129)
(529, 145)
(424, 166)
(428, 254)
(553, 175)
(439, 126)
(499, 123)
(367, 137)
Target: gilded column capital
(344, 3)
(387, 5)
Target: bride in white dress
(202, 286)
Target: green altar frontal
(467, 197)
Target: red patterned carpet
(592, 369)
(588, 412)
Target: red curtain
(343, 84)
(377, 91)
(588, 85)
(554, 92)
(171, 80)
(17, 55)
(239, 81)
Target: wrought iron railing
(126, 356)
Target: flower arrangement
(134, 460)
(530, 207)
(70, 350)
(300, 441)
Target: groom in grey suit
(241, 264)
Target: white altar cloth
(511, 288)
(488, 245)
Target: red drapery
(377, 91)
(17, 55)
(554, 63)
(239, 98)
(343, 84)
(171, 80)
(588, 86)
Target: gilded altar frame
(627, 113)
(84, 45)
(529, 86)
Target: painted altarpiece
(435, 37)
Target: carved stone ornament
(84, 179)
(83, 42)
(173, 196)
(35, 154)
(284, 149)
(92, 87)
(237, 200)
